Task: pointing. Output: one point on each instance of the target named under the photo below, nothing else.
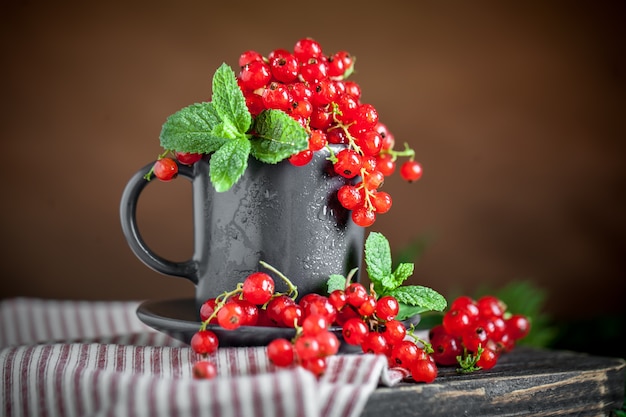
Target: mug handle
(128, 216)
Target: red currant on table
(204, 370)
(165, 169)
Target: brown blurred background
(515, 109)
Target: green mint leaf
(406, 311)
(278, 136)
(378, 261)
(228, 163)
(402, 272)
(229, 100)
(335, 282)
(192, 129)
(418, 296)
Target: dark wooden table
(524, 382)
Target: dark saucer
(179, 319)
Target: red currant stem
(408, 152)
(332, 158)
(220, 301)
(148, 175)
(368, 193)
(293, 290)
(428, 348)
(468, 362)
(350, 275)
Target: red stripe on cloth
(7, 378)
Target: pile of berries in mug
(472, 336)
(313, 89)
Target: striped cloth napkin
(79, 358)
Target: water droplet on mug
(322, 214)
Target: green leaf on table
(195, 129)
(378, 260)
(419, 296)
(277, 136)
(229, 101)
(228, 163)
(335, 282)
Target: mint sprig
(225, 129)
(413, 299)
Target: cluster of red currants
(312, 87)
(370, 322)
(478, 331)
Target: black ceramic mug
(284, 215)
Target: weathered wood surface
(524, 382)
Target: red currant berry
(280, 352)
(165, 169)
(474, 337)
(254, 103)
(204, 342)
(248, 56)
(314, 324)
(188, 158)
(258, 288)
(329, 343)
(317, 140)
(307, 347)
(385, 164)
(204, 370)
(206, 310)
(394, 332)
(363, 216)
(518, 326)
(367, 117)
(403, 354)
(387, 308)
(284, 67)
(317, 366)
(301, 158)
(367, 308)
(275, 308)
(352, 89)
(424, 370)
(356, 294)
(250, 315)
(292, 315)
(456, 321)
(323, 92)
(446, 348)
(255, 74)
(338, 299)
(313, 70)
(307, 48)
(411, 171)
(488, 359)
(276, 96)
(382, 202)
(373, 180)
(375, 343)
(388, 138)
(490, 306)
(350, 197)
(354, 331)
(230, 316)
(318, 304)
